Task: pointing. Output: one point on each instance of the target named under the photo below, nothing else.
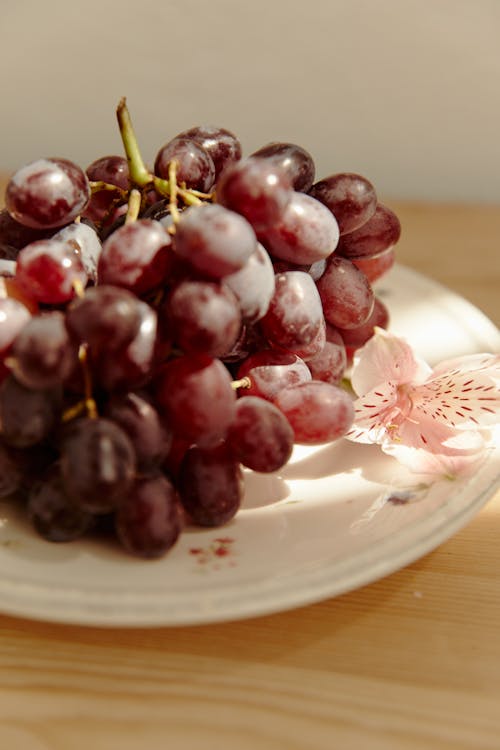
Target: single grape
(205, 317)
(43, 354)
(306, 233)
(260, 436)
(346, 294)
(330, 363)
(253, 285)
(257, 189)
(270, 371)
(87, 244)
(350, 197)
(27, 416)
(195, 167)
(8, 253)
(317, 411)
(313, 348)
(195, 393)
(210, 485)
(376, 266)
(106, 317)
(16, 235)
(112, 170)
(222, 145)
(378, 234)
(135, 256)
(148, 433)
(356, 337)
(47, 193)
(52, 513)
(98, 464)
(13, 317)
(295, 315)
(214, 240)
(48, 270)
(148, 521)
(294, 160)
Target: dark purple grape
(106, 317)
(306, 233)
(54, 516)
(292, 159)
(318, 412)
(148, 521)
(195, 167)
(43, 354)
(257, 189)
(260, 436)
(210, 485)
(271, 371)
(196, 395)
(47, 270)
(148, 433)
(346, 294)
(112, 170)
(214, 240)
(295, 315)
(222, 145)
(27, 416)
(47, 193)
(205, 317)
(98, 463)
(377, 235)
(135, 256)
(16, 235)
(350, 197)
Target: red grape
(350, 197)
(260, 436)
(346, 294)
(379, 233)
(318, 412)
(47, 193)
(294, 160)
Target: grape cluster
(161, 329)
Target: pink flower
(431, 420)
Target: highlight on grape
(163, 330)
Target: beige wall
(406, 92)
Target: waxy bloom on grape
(434, 421)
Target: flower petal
(373, 412)
(467, 396)
(384, 358)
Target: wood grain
(411, 661)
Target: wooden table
(412, 661)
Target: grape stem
(98, 186)
(139, 174)
(134, 206)
(172, 180)
(242, 383)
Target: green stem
(139, 174)
(134, 206)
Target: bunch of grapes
(161, 329)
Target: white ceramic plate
(336, 518)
